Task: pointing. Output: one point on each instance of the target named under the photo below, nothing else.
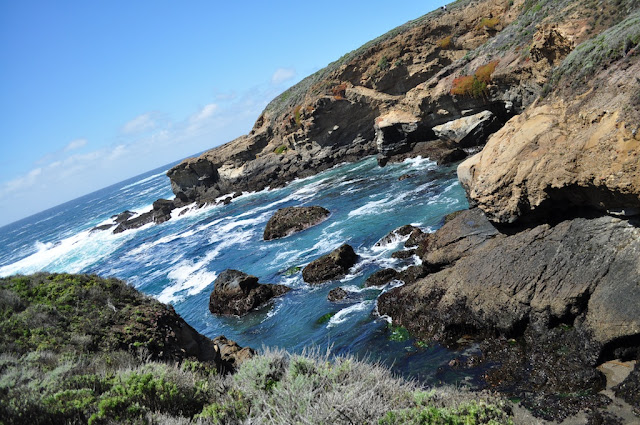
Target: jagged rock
(404, 254)
(468, 131)
(330, 266)
(289, 220)
(397, 132)
(337, 294)
(236, 293)
(580, 274)
(123, 216)
(629, 389)
(416, 237)
(160, 212)
(562, 155)
(231, 354)
(396, 234)
(381, 277)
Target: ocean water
(178, 261)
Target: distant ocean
(177, 261)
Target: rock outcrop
(337, 294)
(381, 277)
(236, 293)
(331, 266)
(290, 220)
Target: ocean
(178, 261)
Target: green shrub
(445, 43)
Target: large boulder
(381, 277)
(468, 131)
(236, 293)
(330, 266)
(289, 220)
(231, 354)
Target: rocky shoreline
(543, 101)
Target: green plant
(383, 63)
(488, 23)
(280, 149)
(445, 43)
(297, 115)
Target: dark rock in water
(231, 354)
(337, 294)
(404, 254)
(629, 389)
(381, 277)
(227, 200)
(404, 177)
(102, 227)
(123, 216)
(237, 194)
(330, 266)
(160, 212)
(416, 237)
(236, 293)
(287, 221)
(396, 234)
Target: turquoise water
(178, 261)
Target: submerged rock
(236, 293)
(330, 266)
(290, 220)
(337, 294)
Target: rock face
(561, 155)
(468, 131)
(236, 293)
(287, 221)
(231, 354)
(330, 266)
(381, 277)
(571, 288)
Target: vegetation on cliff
(79, 349)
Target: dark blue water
(178, 261)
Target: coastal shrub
(280, 149)
(474, 85)
(297, 115)
(488, 23)
(445, 43)
(383, 64)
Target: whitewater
(178, 261)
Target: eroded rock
(290, 220)
(381, 277)
(337, 294)
(236, 293)
(468, 131)
(330, 266)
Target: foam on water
(347, 313)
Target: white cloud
(139, 124)
(204, 113)
(75, 144)
(282, 74)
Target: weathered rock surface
(381, 277)
(236, 293)
(337, 294)
(468, 131)
(563, 154)
(567, 292)
(629, 389)
(331, 266)
(231, 354)
(290, 220)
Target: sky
(95, 92)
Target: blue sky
(94, 92)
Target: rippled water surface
(178, 261)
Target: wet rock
(330, 266)
(290, 220)
(160, 212)
(396, 234)
(102, 227)
(468, 131)
(405, 177)
(236, 293)
(629, 389)
(416, 237)
(381, 277)
(123, 216)
(337, 294)
(231, 354)
(403, 254)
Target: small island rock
(236, 293)
(337, 294)
(330, 266)
(290, 220)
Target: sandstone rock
(337, 294)
(231, 354)
(468, 131)
(236, 293)
(561, 155)
(287, 221)
(381, 277)
(330, 266)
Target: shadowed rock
(381, 277)
(290, 220)
(337, 294)
(236, 293)
(330, 266)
